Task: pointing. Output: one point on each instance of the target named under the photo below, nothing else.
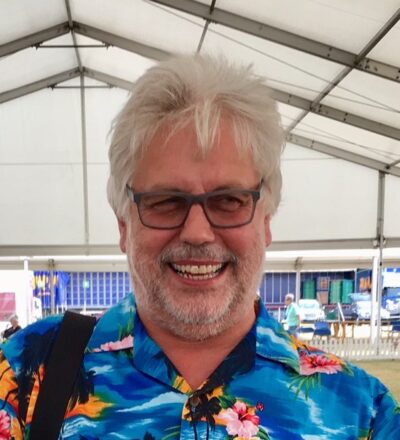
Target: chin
(206, 315)
(197, 332)
(197, 324)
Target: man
(14, 327)
(292, 314)
(194, 180)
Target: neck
(189, 356)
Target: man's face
(195, 281)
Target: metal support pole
(374, 301)
(203, 35)
(28, 292)
(381, 241)
(297, 266)
(52, 290)
(298, 285)
(84, 162)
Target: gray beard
(197, 319)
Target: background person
(14, 327)
(194, 179)
(292, 314)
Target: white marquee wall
(320, 195)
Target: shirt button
(194, 402)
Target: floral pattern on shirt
(270, 387)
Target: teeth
(197, 269)
(202, 271)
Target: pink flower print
(241, 421)
(5, 425)
(123, 344)
(317, 363)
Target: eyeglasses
(226, 208)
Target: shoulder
(28, 347)
(314, 361)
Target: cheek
(244, 241)
(148, 242)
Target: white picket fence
(359, 349)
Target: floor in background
(387, 371)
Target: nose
(197, 229)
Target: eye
(162, 203)
(230, 202)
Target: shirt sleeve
(10, 423)
(387, 420)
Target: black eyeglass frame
(193, 199)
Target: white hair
(289, 296)
(203, 90)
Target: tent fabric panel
(103, 228)
(42, 64)
(346, 25)
(48, 129)
(296, 153)
(387, 50)
(293, 71)
(350, 138)
(145, 22)
(102, 106)
(76, 83)
(115, 62)
(23, 17)
(320, 200)
(392, 207)
(288, 114)
(41, 128)
(42, 205)
(368, 96)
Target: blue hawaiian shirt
(271, 386)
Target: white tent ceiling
(66, 67)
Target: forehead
(174, 160)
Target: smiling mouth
(198, 271)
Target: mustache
(205, 251)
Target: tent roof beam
(120, 42)
(34, 39)
(336, 114)
(50, 81)
(286, 38)
(347, 69)
(108, 79)
(342, 154)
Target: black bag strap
(60, 374)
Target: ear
(267, 229)
(123, 235)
